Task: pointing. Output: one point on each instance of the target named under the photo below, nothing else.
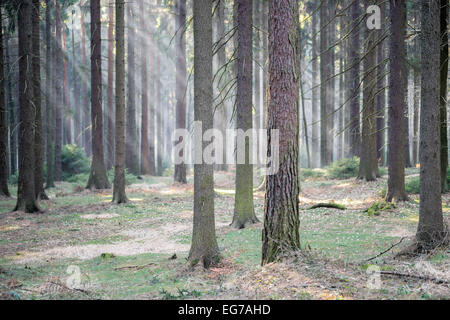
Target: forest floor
(84, 247)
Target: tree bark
(281, 219)
(354, 48)
(98, 178)
(324, 74)
(152, 104)
(76, 91)
(244, 211)
(443, 92)
(368, 165)
(431, 231)
(181, 84)
(131, 155)
(58, 92)
(110, 96)
(26, 196)
(158, 111)
(38, 137)
(204, 246)
(144, 90)
(119, 195)
(381, 93)
(67, 114)
(86, 118)
(315, 133)
(397, 99)
(3, 126)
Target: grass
(348, 236)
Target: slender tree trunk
(407, 156)
(152, 104)
(443, 93)
(38, 137)
(204, 246)
(3, 126)
(354, 48)
(315, 133)
(67, 110)
(180, 169)
(86, 118)
(381, 93)
(244, 211)
(221, 110)
(131, 155)
(144, 90)
(119, 195)
(26, 196)
(368, 166)
(431, 231)
(397, 99)
(324, 61)
(256, 67)
(158, 110)
(76, 92)
(49, 97)
(281, 219)
(98, 178)
(110, 95)
(58, 92)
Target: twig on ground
(134, 267)
(407, 275)
(383, 252)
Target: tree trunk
(58, 92)
(354, 59)
(110, 96)
(416, 71)
(204, 246)
(281, 219)
(180, 169)
(76, 92)
(119, 195)
(152, 104)
(324, 103)
(3, 126)
(98, 178)
(397, 99)
(49, 97)
(315, 94)
(26, 196)
(431, 231)
(67, 110)
(131, 155)
(158, 110)
(38, 138)
(86, 121)
(244, 211)
(443, 93)
(144, 90)
(368, 166)
(381, 93)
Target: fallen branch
(134, 267)
(327, 205)
(407, 275)
(387, 250)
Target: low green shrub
(343, 169)
(311, 173)
(73, 161)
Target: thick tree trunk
(397, 99)
(181, 83)
(244, 211)
(443, 93)
(354, 48)
(110, 95)
(256, 48)
(431, 231)
(119, 195)
(3, 126)
(204, 246)
(26, 196)
(281, 219)
(58, 92)
(38, 137)
(368, 166)
(144, 90)
(416, 99)
(49, 97)
(98, 178)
